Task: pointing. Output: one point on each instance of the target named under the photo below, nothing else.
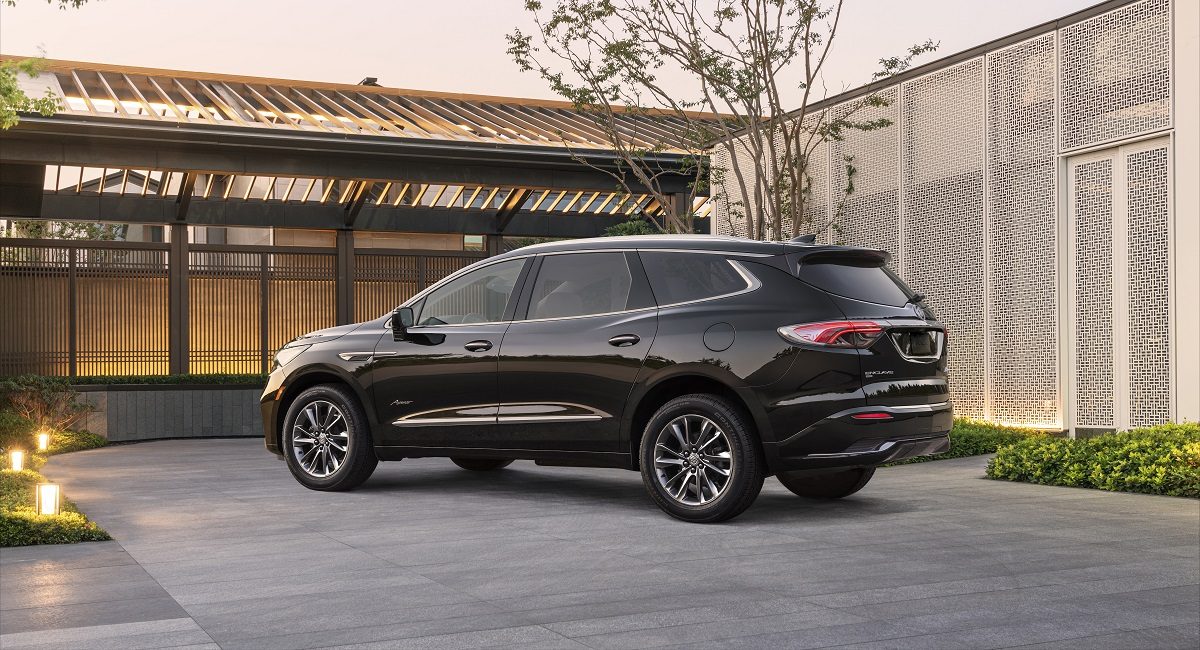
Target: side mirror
(402, 319)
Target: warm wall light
(43, 441)
(16, 460)
(48, 499)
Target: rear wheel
(699, 459)
(834, 485)
(482, 464)
(326, 441)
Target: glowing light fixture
(43, 441)
(16, 460)
(49, 499)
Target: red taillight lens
(860, 334)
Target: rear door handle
(478, 346)
(624, 340)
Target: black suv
(707, 363)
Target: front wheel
(699, 459)
(326, 441)
(834, 485)
(481, 464)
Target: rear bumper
(842, 441)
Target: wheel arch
(683, 382)
(316, 376)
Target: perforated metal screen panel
(1147, 198)
(1092, 204)
(1116, 74)
(870, 215)
(963, 189)
(1022, 255)
(942, 250)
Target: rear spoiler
(848, 256)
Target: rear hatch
(907, 365)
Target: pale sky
(447, 45)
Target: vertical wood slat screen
(114, 297)
(382, 280)
(102, 308)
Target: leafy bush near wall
(1154, 460)
(975, 438)
(16, 432)
(48, 402)
(226, 379)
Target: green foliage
(48, 402)
(14, 101)
(62, 442)
(16, 432)
(231, 379)
(20, 525)
(975, 438)
(1154, 460)
(632, 227)
(78, 230)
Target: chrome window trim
(752, 284)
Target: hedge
(232, 380)
(975, 438)
(1154, 460)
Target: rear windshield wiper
(915, 298)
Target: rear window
(858, 281)
(683, 277)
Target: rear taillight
(860, 334)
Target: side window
(477, 297)
(683, 277)
(578, 284)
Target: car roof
(674, 242)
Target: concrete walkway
(218, 546)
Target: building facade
(1042, 191)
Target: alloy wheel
(692, 460)
(320, 438)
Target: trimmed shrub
(1153, 460)
(231, 380)
(975, 438)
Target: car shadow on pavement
(612, 488)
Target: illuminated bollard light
(43, 441)
(49, 499)
(16, 460)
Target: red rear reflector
(860, 334)
(871, 416)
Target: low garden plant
(28, 406)
(975, 438)
(1163, 459)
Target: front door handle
(624, 340)
(478, 346)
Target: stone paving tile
(429, 556)
(144, 634)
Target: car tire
(834, 485)
(720, 473)
(319, 423)
(482, 464)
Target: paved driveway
(216, 543)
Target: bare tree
(744, 60)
